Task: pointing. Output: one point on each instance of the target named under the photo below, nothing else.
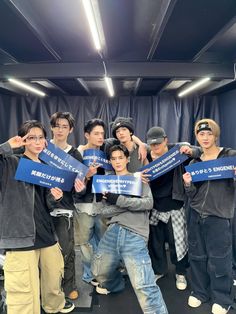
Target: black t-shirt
(162, 191)
(45, 231)
(67, 201)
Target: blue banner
(44, 175)
(127, 185)
(97, 155)
(56, 157)
(165, 163)
(221, 168)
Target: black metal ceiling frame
(137, 70)
(117, 70)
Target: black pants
(159, 235)
(234, 243)
(210, 255)
(65, 232)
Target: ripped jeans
(88, 231)
(119, 244)
(210, 256)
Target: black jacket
(215, 197)
(17, 226)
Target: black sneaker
(69, 307)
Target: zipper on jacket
(204, 200)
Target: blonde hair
(212, 124)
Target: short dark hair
(91, 124)
(30, 124)
(119, 147)
(62, 115)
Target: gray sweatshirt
(131, 212)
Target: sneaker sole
(102, 290)
(194, 305)
(95, 284)
(181, 288)
(68, 310)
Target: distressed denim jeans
(118, 244)
(87, 233)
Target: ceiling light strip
(194, 86)
(26, 87)
(92, 23)
(109, 84)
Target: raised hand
(18, 141)
(185, 149)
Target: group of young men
(112, 230)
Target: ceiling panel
(129, 27)
(147, 44)
(62, 25)
(17, 38)
(191, 25)
(151, 86)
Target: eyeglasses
(35, 139)
(62, 127)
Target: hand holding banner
(44, 175)
(56, 157)
(96, 154)
(221, 168)
(165, 163)
(127, 185)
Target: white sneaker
(181, 282)
(159, 276)
(193, 301)
(94, 282)
(234, 282)
(218, 309)
(102, 290)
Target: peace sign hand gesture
(17, 141)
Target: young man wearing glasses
(27, 232)
(62, 124)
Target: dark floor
(126, 302)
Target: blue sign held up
(165, 163)
(44, 175)
(221, 168)
(126, 185)
(56, 157)
(97, 155)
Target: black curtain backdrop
(176, 116)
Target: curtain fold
(176, 116)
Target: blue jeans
(210, 256)
(88, 231)
(119, 244)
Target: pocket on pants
(221, 266)
(17, 281)
(143, 273)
